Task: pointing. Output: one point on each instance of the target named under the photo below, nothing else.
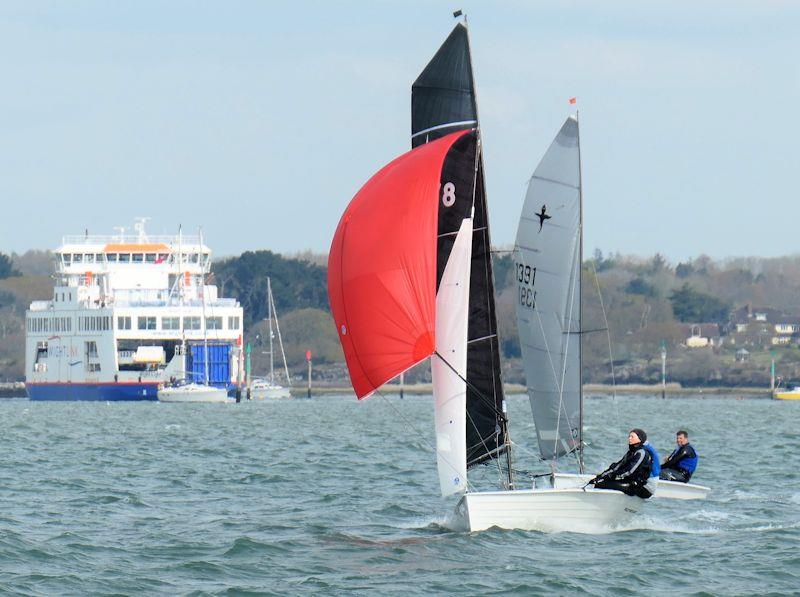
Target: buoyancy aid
(655, 469)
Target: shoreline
(588, 389)
(17, 389)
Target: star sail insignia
(543, 216)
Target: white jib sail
(547, 261)
(449, 387)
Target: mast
(280, 340)
(502, 420)
(269, 317)
(203, 303)
(580, 298)
(180, 299)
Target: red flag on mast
(573, 100)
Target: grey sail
(547, 258)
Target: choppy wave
(335, 496)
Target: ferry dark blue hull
(109, 392)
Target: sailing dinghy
(410, 278)
(548, 258)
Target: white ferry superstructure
(130, 312)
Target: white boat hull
(269, 393)
(671, 490)
(193, 393)
(546, 510)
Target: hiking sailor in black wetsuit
(631, 474)
(682, 462)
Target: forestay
(547, 260)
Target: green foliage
(314, 330)
(7, 267)
(657, 264)
(601, 263)
(503, 266)
(691, 306)
(6, 298)
(684, 270)
(640, 286)
(35, 262)
(295, 284)
(26, 289)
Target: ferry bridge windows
(170, 323)
(77, 258)
(94, 324)
(112, 257)
(213, 323)
(124, 257)
(233, 323)
(98, 257)
(89, 258)
(191, 323)
(150, 257)
(146, 323)
(138, 257)
(123, 322)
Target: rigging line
(497, 375)
(525, 450)
(425, 439)
(483, 442)
(549, 353)
(484, 399)
(610, 354)
(574, 277)
(472, 387)
(475, 173)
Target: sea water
(331, 495)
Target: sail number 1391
(526, 277)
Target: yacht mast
(269, 318)
(203, 303)
(503, 419)
(580, 299)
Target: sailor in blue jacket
(631, 474)
(682, 462)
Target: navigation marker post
(772, 372)
(663, 369)
(308, 358)
(248, 370)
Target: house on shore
(701, 335)
(763, 327)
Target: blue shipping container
(219, 363)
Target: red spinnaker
(382, 268)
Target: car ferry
(130, 313)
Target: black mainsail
(443, 101)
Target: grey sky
(260, 120)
